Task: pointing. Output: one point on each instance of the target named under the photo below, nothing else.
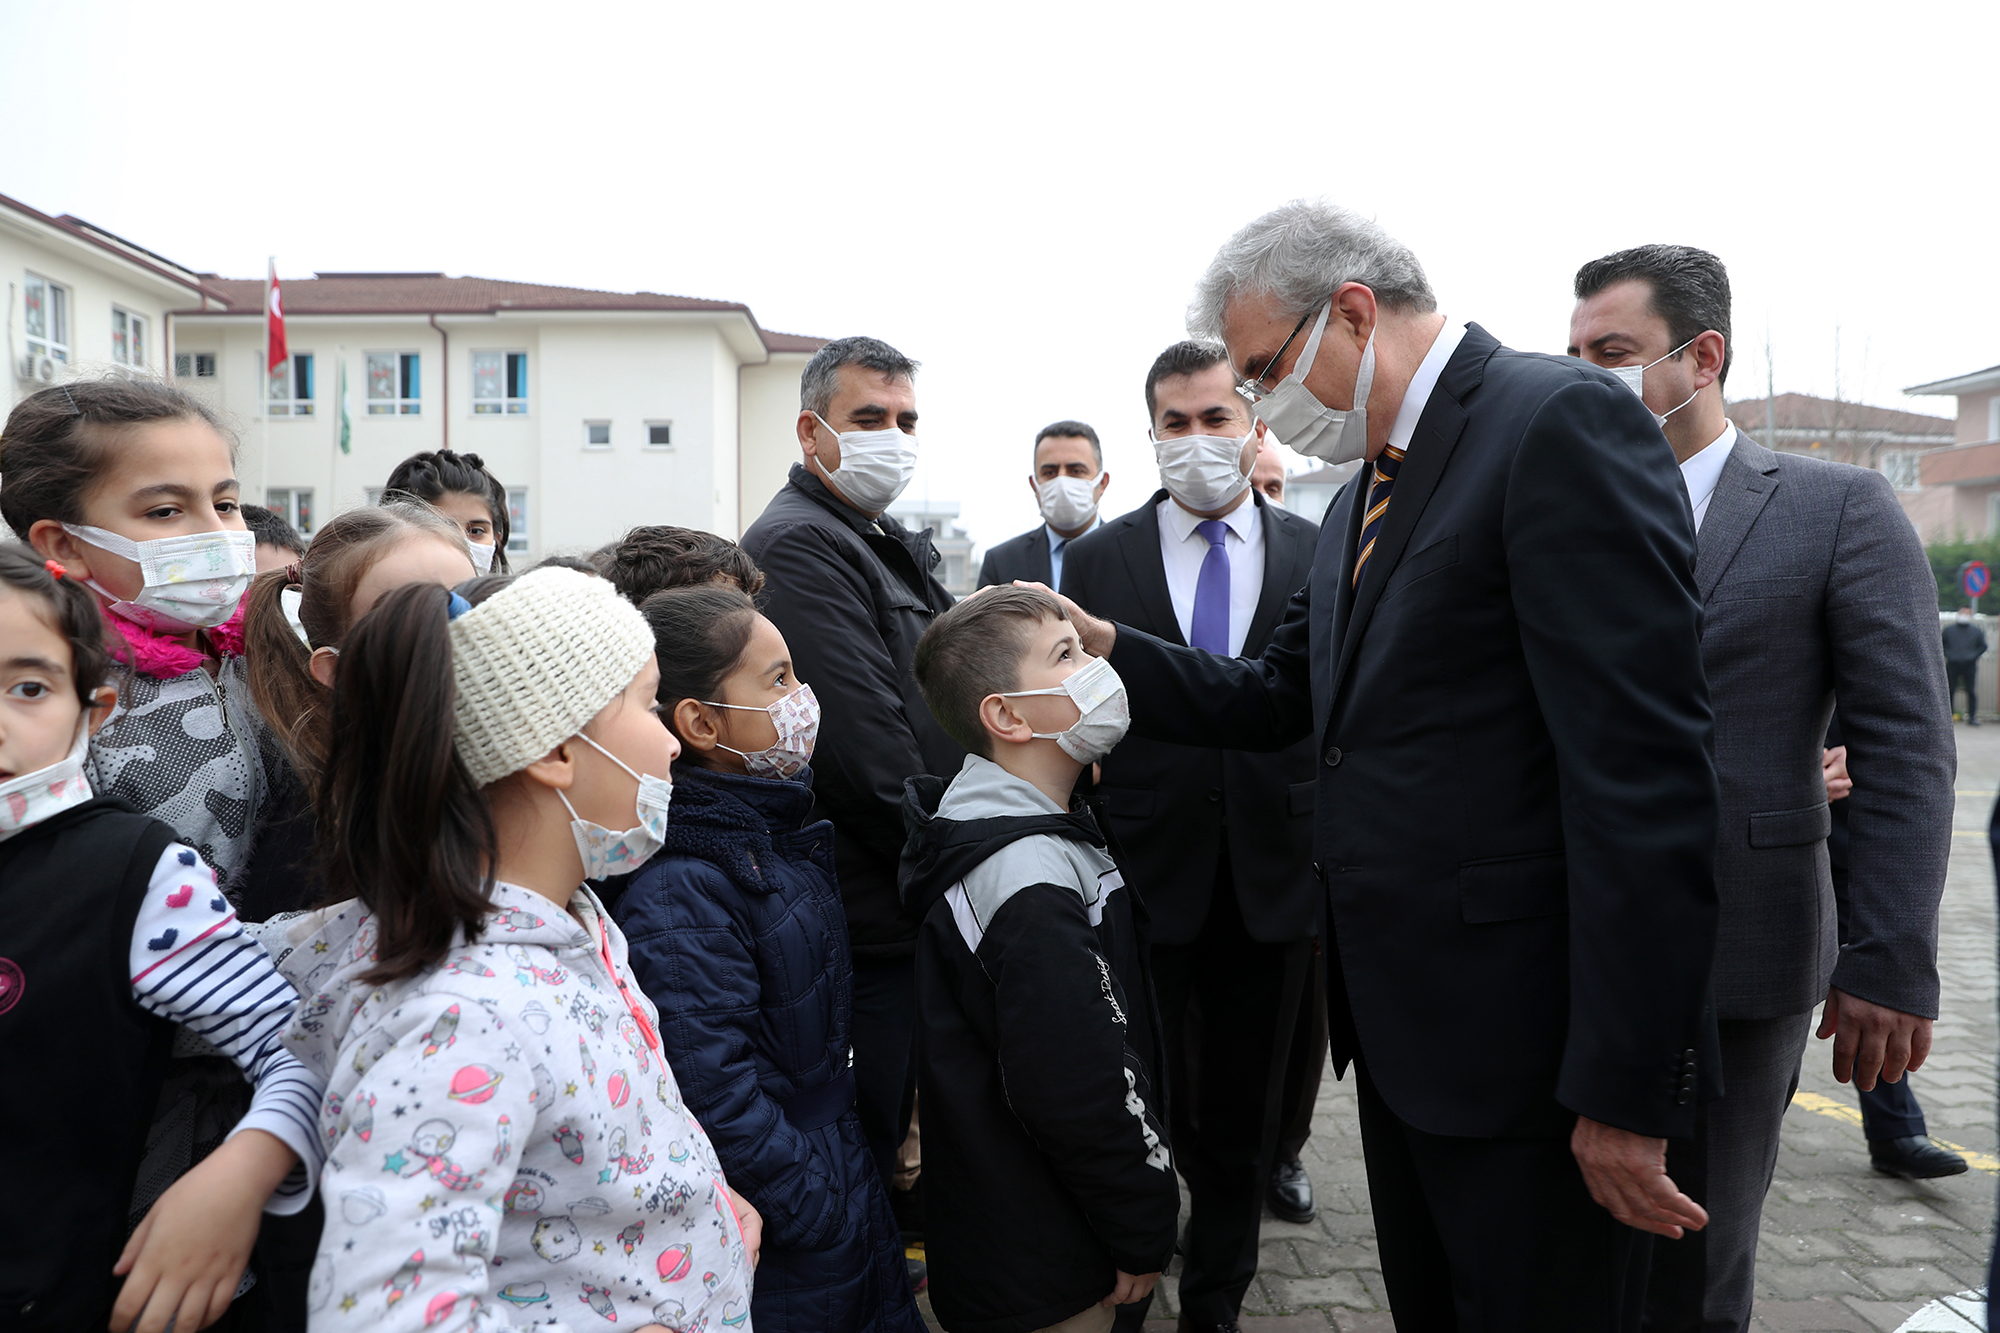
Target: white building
(598, 410)
(956, 569)
(80, 300)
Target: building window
(194, 365)
(659, 434)
(1900, 467)
(128, 338)
(500, 383)
(47, 311)
(1993, 417)
(597, 435)
(291, 391)
(517, 520)
(394, 384)
(294, 504)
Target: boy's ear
(694, 723)
(1002, 723)
(555, 769)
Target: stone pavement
(1843, 1250)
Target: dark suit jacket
(1022, 557)
(1516, 811)
(1814, 584)
(1172, 805)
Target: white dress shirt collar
(1056, 539)
(1418, 395)
(1704, 469)
(1240, 519)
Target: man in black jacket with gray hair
(852, 590)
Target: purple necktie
(1209, 627)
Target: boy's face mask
(1104, 712)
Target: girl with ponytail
(484, 1043)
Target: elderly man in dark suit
(1217, 842)
(1498, 660)
(1069, 481)
(1813, 584)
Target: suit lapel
(1275, 593)
(1139, 544)
(1741, 492)
(1430, 453)
(1341, 524)
(1040, 562)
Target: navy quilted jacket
(736, 931)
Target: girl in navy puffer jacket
(736, 931)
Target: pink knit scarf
(163, 658)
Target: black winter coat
(852, 597)
(1046, 1168)
(734, 929)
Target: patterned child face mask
(796, 716)
(192, 582)
(606, 852)
(29, 799)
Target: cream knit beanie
(536, 661)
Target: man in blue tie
(1217, 843)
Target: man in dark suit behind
(1217, 841)
(1812, 583)
(1498, 659)
(1069, 481)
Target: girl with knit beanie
(506, 1143)
(737, 933)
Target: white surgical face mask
(1308, 426)
(29, 799)
(612, 853)
(1634, 378)
(1067, 503)
(1203, 472)
(482, 555)
(875, 466)
(191, 582)
(796, 716)
(1103, 711)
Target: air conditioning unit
(34, 367)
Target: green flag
(346, 423)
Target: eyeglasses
(1252, 387)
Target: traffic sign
(1974, 578)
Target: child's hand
(1131, 1288)
(186, 1259)
(752, 1224)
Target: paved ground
(1843, 1249)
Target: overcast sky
(1021, 196)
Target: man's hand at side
(1833, 768)
(1098, 637)
(1131, 1287)
(1627, 1175)
(1872, 1041)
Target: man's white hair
(1300, 252)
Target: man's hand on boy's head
(1097, 637)
(1131, 1287)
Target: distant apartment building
(955, 570)
(597, 410)
(1960, 495)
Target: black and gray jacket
(1045, 1150)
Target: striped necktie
(1386, 465)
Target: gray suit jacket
(1813, 584)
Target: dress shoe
(1291, 1193)
(1914, 1158)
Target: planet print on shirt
(474, 1083)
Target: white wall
(770, 440)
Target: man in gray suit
(1813, 584)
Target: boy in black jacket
(1052, 1192)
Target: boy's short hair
(650, 559)
(974, 650)
(271, 528)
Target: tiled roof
(1799, 411)
(436, 294)
(104, 240)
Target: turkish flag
(274, 321)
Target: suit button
(1683, 1098)
(1333, 756)
(1215, 794)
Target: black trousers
(1957, 676)
(1225, 1120)
(1891, 1111)
(1493, 1235)
(884, 1034)
(1305, 1063)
